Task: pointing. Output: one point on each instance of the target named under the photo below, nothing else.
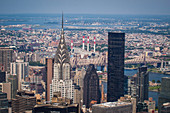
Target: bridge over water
(102, 61)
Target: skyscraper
(13, 79)
(2, 76)
(78, 91)
(115, 81)
(3, 103)
(19, 68)
(164, 95)
(23, 101)
(49, 73)
(91, 90)
(132, 83)
(79, 80)
(6, 88)
(61, 81)
(142, 84)
(5, 58)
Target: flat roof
(5, 48)
(55, 106)
(166, 77)
(112, 104)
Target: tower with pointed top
(61, 81)
(91, 90)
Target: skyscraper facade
(49, 73)
(91, 91)
(19, 68)
(79, 80)
(115, 81)
(5, 58)
(164, 95)
(78, 91)
(6, 88)
(61, 81)
(2, 76)
(13, 79)
(132, 83)
(24, 101)
(142, 84)
(3, 103)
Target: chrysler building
(61, 78)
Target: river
(152, 76)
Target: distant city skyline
(142, 7)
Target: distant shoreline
(155, 90)
(154, 70)
(130, 68)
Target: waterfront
(152, 76)
(154, 95)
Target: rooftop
(166, 104)
(5, 48)
(166, 77)
(56, 105)
(113, 104)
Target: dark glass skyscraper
(142, 84)
(115, 80)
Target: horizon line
(82, 14)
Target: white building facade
(61, 81)
(21, 69)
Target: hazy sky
(86, 6)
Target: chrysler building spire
(62, 32)
(61, 81)
(62, 55)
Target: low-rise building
(56, 108)
(130, 99)
(112, 107)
